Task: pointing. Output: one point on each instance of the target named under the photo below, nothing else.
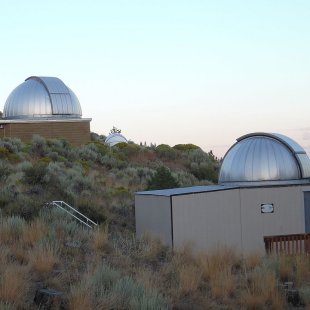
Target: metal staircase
(74, 213)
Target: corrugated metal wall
(229, 217)
(207, 219)
(153, 215)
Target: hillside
(108, 268)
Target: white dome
(261, 157)
(115, 138)
(42, 97)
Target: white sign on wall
(267, 208)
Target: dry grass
(302, 266)
(101, 240)
(218, 260)
(43, 258)
(14, 284)
(261, 290)
(286, 268)
(34, 232)
(222, 284)
(80, 298)
(190, 279)
(252, 260)
(215, 280)
(5, 251)
(18, 254)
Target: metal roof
(264, 157)
(42, 97)
(214, 188)
(115, 138)
(186, 190)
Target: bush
(186, 147)
(166, 152)
(4, 152)
(39, 146)
(5, 170)
(129, 149)
(35, 174)
(162, 179)
(13, 145)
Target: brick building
(47, 107)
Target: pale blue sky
(173, 71)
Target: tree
(1, 114)
(162, 179)
(115, 130)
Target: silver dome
(42, 97)
(261, 157)
(115, 138)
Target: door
(307, 211)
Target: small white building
(264, 189)
(115, 138)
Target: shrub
(186, 147)
(88, 152)
(4, 152)
(129, 149)
(39, 146)
(5, 170)
(166, 152)
(162, 179)
(104, 278)
(131, 295)
(35, 174)
(7, 194)
(185, 178)
(13, 145)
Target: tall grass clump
(261, 290)
(100, 237)
(106, 288)
(43, 257)
(34, 232)
(11, 228)
(127, 294)
(14, 285)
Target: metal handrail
(86, 220)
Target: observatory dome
(115, 138)
(261, 157)
(42, 97)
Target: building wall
(153, 216)
(288, 217)
(77, 132)
(228, 217)
(207, 220)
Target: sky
(169, 71)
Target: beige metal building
(264, 190)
